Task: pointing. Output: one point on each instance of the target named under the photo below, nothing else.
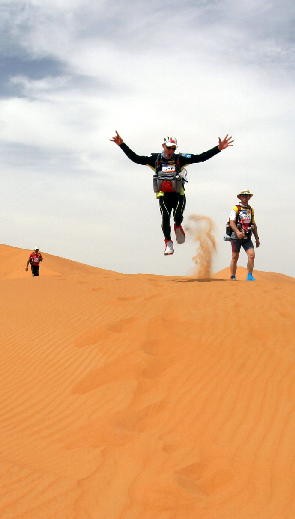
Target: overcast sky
(74, 71)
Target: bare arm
(255, 232)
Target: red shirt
(35, 258)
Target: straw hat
(245, 192)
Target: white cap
(170, 141)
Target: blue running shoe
(250, 277)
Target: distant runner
(34, 260)
(241, 226)
(169, 180)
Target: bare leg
(233, 264)
(251, 257)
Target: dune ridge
(143, 396)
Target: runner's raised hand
(117, 139)
(224, 143)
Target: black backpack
(176, 181)
(228, 229)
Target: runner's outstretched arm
(222, 143)
(138, 159)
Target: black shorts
(35, 270)
(237, 244)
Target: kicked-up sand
(143, 396)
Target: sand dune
(144, 397)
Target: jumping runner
(169, 180)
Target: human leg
(250, 264)
(178, 218)
(233, 264)
(249, 249)
(178, 209)
(236, 246)
(251, 258)
(166, 208)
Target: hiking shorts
(237, 244)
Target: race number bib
(169, 170)
(245, 219)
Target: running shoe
(233, 278)
(168, 247)
(179, 233)
(250, 277)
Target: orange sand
(144, 397)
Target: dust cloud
(201, 229)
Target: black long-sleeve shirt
(184, 158)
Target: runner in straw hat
(243, 225)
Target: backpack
(228, 229)
(167, 181)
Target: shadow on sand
(200, 280)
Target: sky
(74, 71)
